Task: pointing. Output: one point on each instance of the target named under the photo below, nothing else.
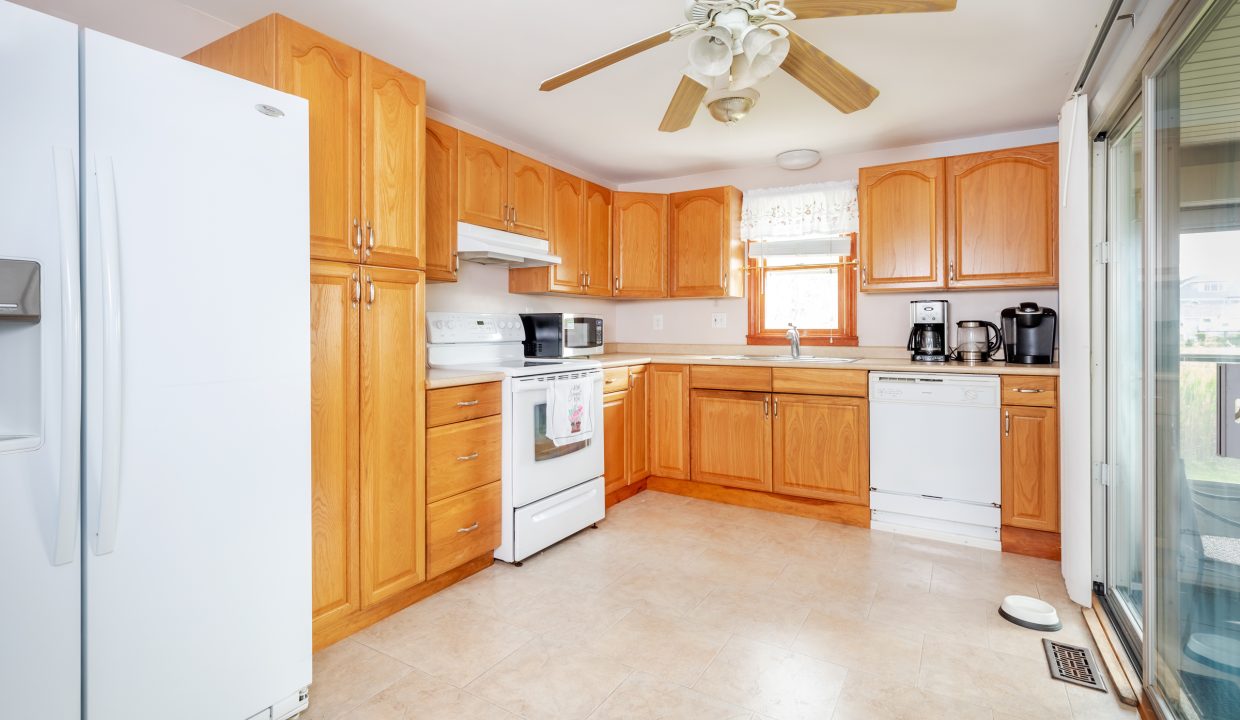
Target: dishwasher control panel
(936, 389)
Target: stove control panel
(444, 328)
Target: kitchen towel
(570, 411)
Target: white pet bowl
(1030, 613)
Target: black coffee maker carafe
(1029, 334)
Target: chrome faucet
(794, 337)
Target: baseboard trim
(626, 492)
(357, 621)
(831, 511)
(1034, 543)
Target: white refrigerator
(154, 384)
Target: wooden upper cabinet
(327, 73)
(441, 151)
(334, 431)
(529, 195)
(1030, 474)
(393, 150)
(482, 182)
(707, 256)
(902, 225)
(567, 230)
(639, 245)
(669, 420)
(1002, 218)
(639, 457)
(393, 402)
(822, 448)
(596, 240)
(731, 438)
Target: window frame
(845, 336)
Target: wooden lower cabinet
(669, 420)
(1030, 460)
(615, 440)
(731, 438)
(639, 457)
(822, 447)
(463, 527)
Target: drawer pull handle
(467, 458)
(469, 529)
(610, 381)
(1028, 390)
(467, 403)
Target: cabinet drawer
(809, 381)
(462, 456)
(615, 379)
(1035, 390)
(727, 377)
(466, 402)
(462, 528)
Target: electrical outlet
(658, 322)
(719, 320)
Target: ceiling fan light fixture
(798, 159)
(766, 48)
(731, 106)
(710, 53)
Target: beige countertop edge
(436, 379)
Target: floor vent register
(1073, 664)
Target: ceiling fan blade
(832, 81)
(810, 9)
(684, 105)
(609, 59)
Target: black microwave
(562, 334)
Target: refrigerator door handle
(113, 374)
(71, 357)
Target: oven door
(581, 335)
(539, 468)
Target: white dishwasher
(934, 456)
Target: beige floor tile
(456, 645)
(983, 583)
(1008, 683)
(735, 568)
(772, 681)
(421, 697)
(962, 619)
(1094, 705)
(872, 648)
(870, 697)
(1008, 637)
(670, 647)
(843, 594)
(666, 589)
(755, 615)
(346, 675)
(551, 681)
(645, 697)
(566, 612)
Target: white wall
(484, 288)
(882, 319)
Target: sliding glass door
(1193, 101)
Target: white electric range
(549, 491)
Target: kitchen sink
(788, 358)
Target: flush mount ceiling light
(739, 43)
(798, 159)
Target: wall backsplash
(484, 288)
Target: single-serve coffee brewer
(1029, 334)
(927, 341)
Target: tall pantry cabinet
(368, 363)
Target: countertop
(438, 378)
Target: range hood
(496, 247)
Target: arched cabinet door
(901, 226)
(707, 255)
(393, 148)
(482, 181)
(639, 245)
(529, 196)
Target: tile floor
(681, 609)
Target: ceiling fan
(738, 43)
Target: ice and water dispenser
(20, 354)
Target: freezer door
(40, 378)
(197, 482)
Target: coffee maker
(927, 341)
(1029, 333)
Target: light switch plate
(719, 320)
(658, 322)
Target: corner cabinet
(366, 136)
(706, 254)
(441, 213)
(669, 421)
(639, 245)
(596, 240)
(901, 226)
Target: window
(802, 245)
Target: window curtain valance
(802, 212)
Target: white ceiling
(990, 66)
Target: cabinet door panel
(639, 254)
(393, 495)
(639, 458)
(567, 223)
(1031, 468)
(706, 250)
(615, 441)
(901, 224)
(529, 194)
(731, 436)
(669, 421)
(597, 252)
(441, 214)
(822, 448)
(334, 425)
(1003, 219)
(328, 74)
(393, 145)
(482, 182)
